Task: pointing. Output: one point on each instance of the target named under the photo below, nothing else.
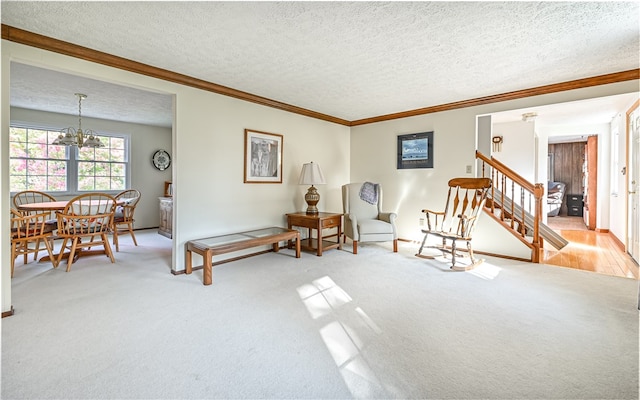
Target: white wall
(5, 224)
(207, 156)
(542, 168)
(145, 140)
(408, 191)
(518, 147)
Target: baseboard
(602, 230)
(486, 253)
(8, 313)
(618, 242)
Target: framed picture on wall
(415, 150)
(262, 157)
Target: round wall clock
(161, 160)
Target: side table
(320, 221)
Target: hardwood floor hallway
(588, 250)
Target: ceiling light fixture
(529, 117)
(77, 137)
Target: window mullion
(72, 171)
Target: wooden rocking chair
(465, 200)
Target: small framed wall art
(262, 157)
(415, 150)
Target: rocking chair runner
(465, 200)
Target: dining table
(55, 205)
(60, 206)
(44, 206)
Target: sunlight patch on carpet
(485, 271)
(322, 297)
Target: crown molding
(58, 46)
(629, 75)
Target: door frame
(632, 158)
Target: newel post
(538, 193)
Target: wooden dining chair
(88, 216)
(27, 230)
(31, 196)
(123, 217)
(35, 196)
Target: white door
(634, 184)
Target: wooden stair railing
(524, 227)
(516, 204)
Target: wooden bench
(216, 245)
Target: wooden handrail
(535, 190)
(511, 174)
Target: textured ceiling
(47, 90)
(350, 60)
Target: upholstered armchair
(364, 220)
(555, 197)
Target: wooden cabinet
(166, 217)
(574, 205)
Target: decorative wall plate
(161, 160)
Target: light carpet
(340, 326)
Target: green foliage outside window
(36, 165)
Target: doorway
(574, 122)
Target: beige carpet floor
(377, 325)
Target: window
(104, 168)
(35, 164)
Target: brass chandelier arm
(77, 137)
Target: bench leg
(187, 263)
(207, 277)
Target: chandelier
(77, 137)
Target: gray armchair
(555, 197)
(364, 220)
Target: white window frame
(72, 160)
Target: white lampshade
(311, 175)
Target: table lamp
(311, 175)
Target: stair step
(549, 235)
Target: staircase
(516, 204)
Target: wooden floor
(588, 250)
